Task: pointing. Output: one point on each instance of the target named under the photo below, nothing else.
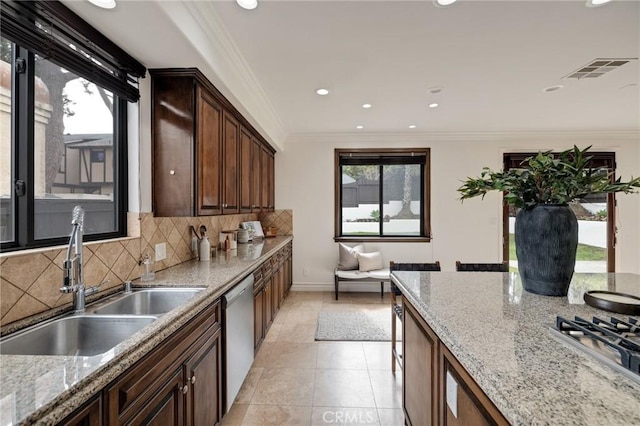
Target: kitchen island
(500, 335)
(43, 390)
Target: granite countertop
(42, 390)
(500, 334)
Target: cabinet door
(208, 156)
(265, 189)
(166, 408)
(258, 317)
(172, 117)
(462, 402)
(272, 182)
(203, 376)
(268, 302)
(419, 370)
(288, 271)
(256, 175)
(230, 183)
(246, 171)
(88, 415)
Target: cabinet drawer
(257, 278)
(129, 392)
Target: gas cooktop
(615, 341)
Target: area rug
(372, 326)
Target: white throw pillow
(370, 261)
(348, 259)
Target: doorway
(596, 221)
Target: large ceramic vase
(546, 242)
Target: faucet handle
(127, 286)
(67, 288)
(92, 290)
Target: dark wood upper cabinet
(172, 117)
(230, 165)
(267, 180)
(246, 173)
(207, 159)
(256, 175)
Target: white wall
(470, 232)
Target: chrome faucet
(73, 279)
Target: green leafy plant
(375, 215)
(547, 179)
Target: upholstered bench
(355, 265)
(381, 275)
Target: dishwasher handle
(238, 290)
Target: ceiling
(491, 59)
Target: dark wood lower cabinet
(472, 406)
(203, 375)
(90, 414)
(166, 407)
(258, 316)
(178, 383)
(419, 370)
(430, 371)
(272, 284)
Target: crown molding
(588, 136)
(204, 29)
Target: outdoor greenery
(547, 178)
(584, 252)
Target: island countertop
(43, 390)
(501, 336)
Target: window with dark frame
(382, 194)
(61, 81)
(98, 156)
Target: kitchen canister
(205, 248)
(243, 236)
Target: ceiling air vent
(598, 67)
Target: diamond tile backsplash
(30, 282)
(281, 219)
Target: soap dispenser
(205, 246)
(148, 274)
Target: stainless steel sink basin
(84, 335)
(155, 301)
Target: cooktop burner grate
(615, 341)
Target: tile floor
(297, 381)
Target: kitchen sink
(155, 301)
(84, 335)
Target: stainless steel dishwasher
(238, 325)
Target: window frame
(376, 154)
(23, 161)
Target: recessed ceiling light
(105, 4)
(435, 89)
(413, 126)
(553, 88)
(359, 127)
(322, 92)
(443, 3)
(433, 105)
(366, 106)
(247, 4)
(596, 3)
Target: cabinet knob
(172, 172)
(193, 379)
(185, 389)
